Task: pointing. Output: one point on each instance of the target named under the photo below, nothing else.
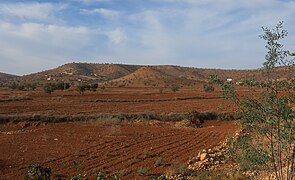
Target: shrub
(160, 162)
(23, 87)
(88, 87)
(269, 119)
(78, 176)
(208, 88)
(193, 117)
(142, 170)
(175, 87)
(36, 171)
(62, 86)
(49, 88)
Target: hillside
(6, 77)
(237, 75)
(150, 76)
(137, 75)
(89, 72)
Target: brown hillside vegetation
(139, 75)
(6, 77)
(81, 71)
(150, 76)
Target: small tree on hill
(88, 87)
(49, 88)
(62, 86)
(80, 89)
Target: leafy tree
(213, 79)
(87, 87)
(268, 120)
(62, 86)
(49, 88)
(31, 86)
(13, 86)
(81, 89)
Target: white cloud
(222, 34)
(102, 11)
(31, 46)
(90, 1)
(116, 36)
(33, 10)
(202, 33)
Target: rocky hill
(6, 77)
(151, 76)
(81, 72)
(139, 75)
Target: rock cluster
(208, 159)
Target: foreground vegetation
(268, 141)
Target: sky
(43, 34)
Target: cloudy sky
(42, 34)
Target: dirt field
(120, 100)
(120, 149)
(113, 148)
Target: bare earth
(114, 148)
(119, 149)
(70, 102)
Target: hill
(139, 75)
(73, 72)
(150, 76)
(4, 78)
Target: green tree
(62, 86)
(49, 88)
(268, 120)
(81, 89)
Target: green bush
(160, 162)
(142, 170)
(49, 88)
(269, 119)
(62, 86)
(86, 87)
(37, 172)
(23, 87)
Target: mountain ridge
(142, 75)
(5, 77)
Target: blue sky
(39, 35)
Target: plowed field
(120, 149)
(112, 100)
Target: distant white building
(229, 80)
(68, 73)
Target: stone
(24, 124)
(203, 156)
(212, 155)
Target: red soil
(70, 102)
(113, 148)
